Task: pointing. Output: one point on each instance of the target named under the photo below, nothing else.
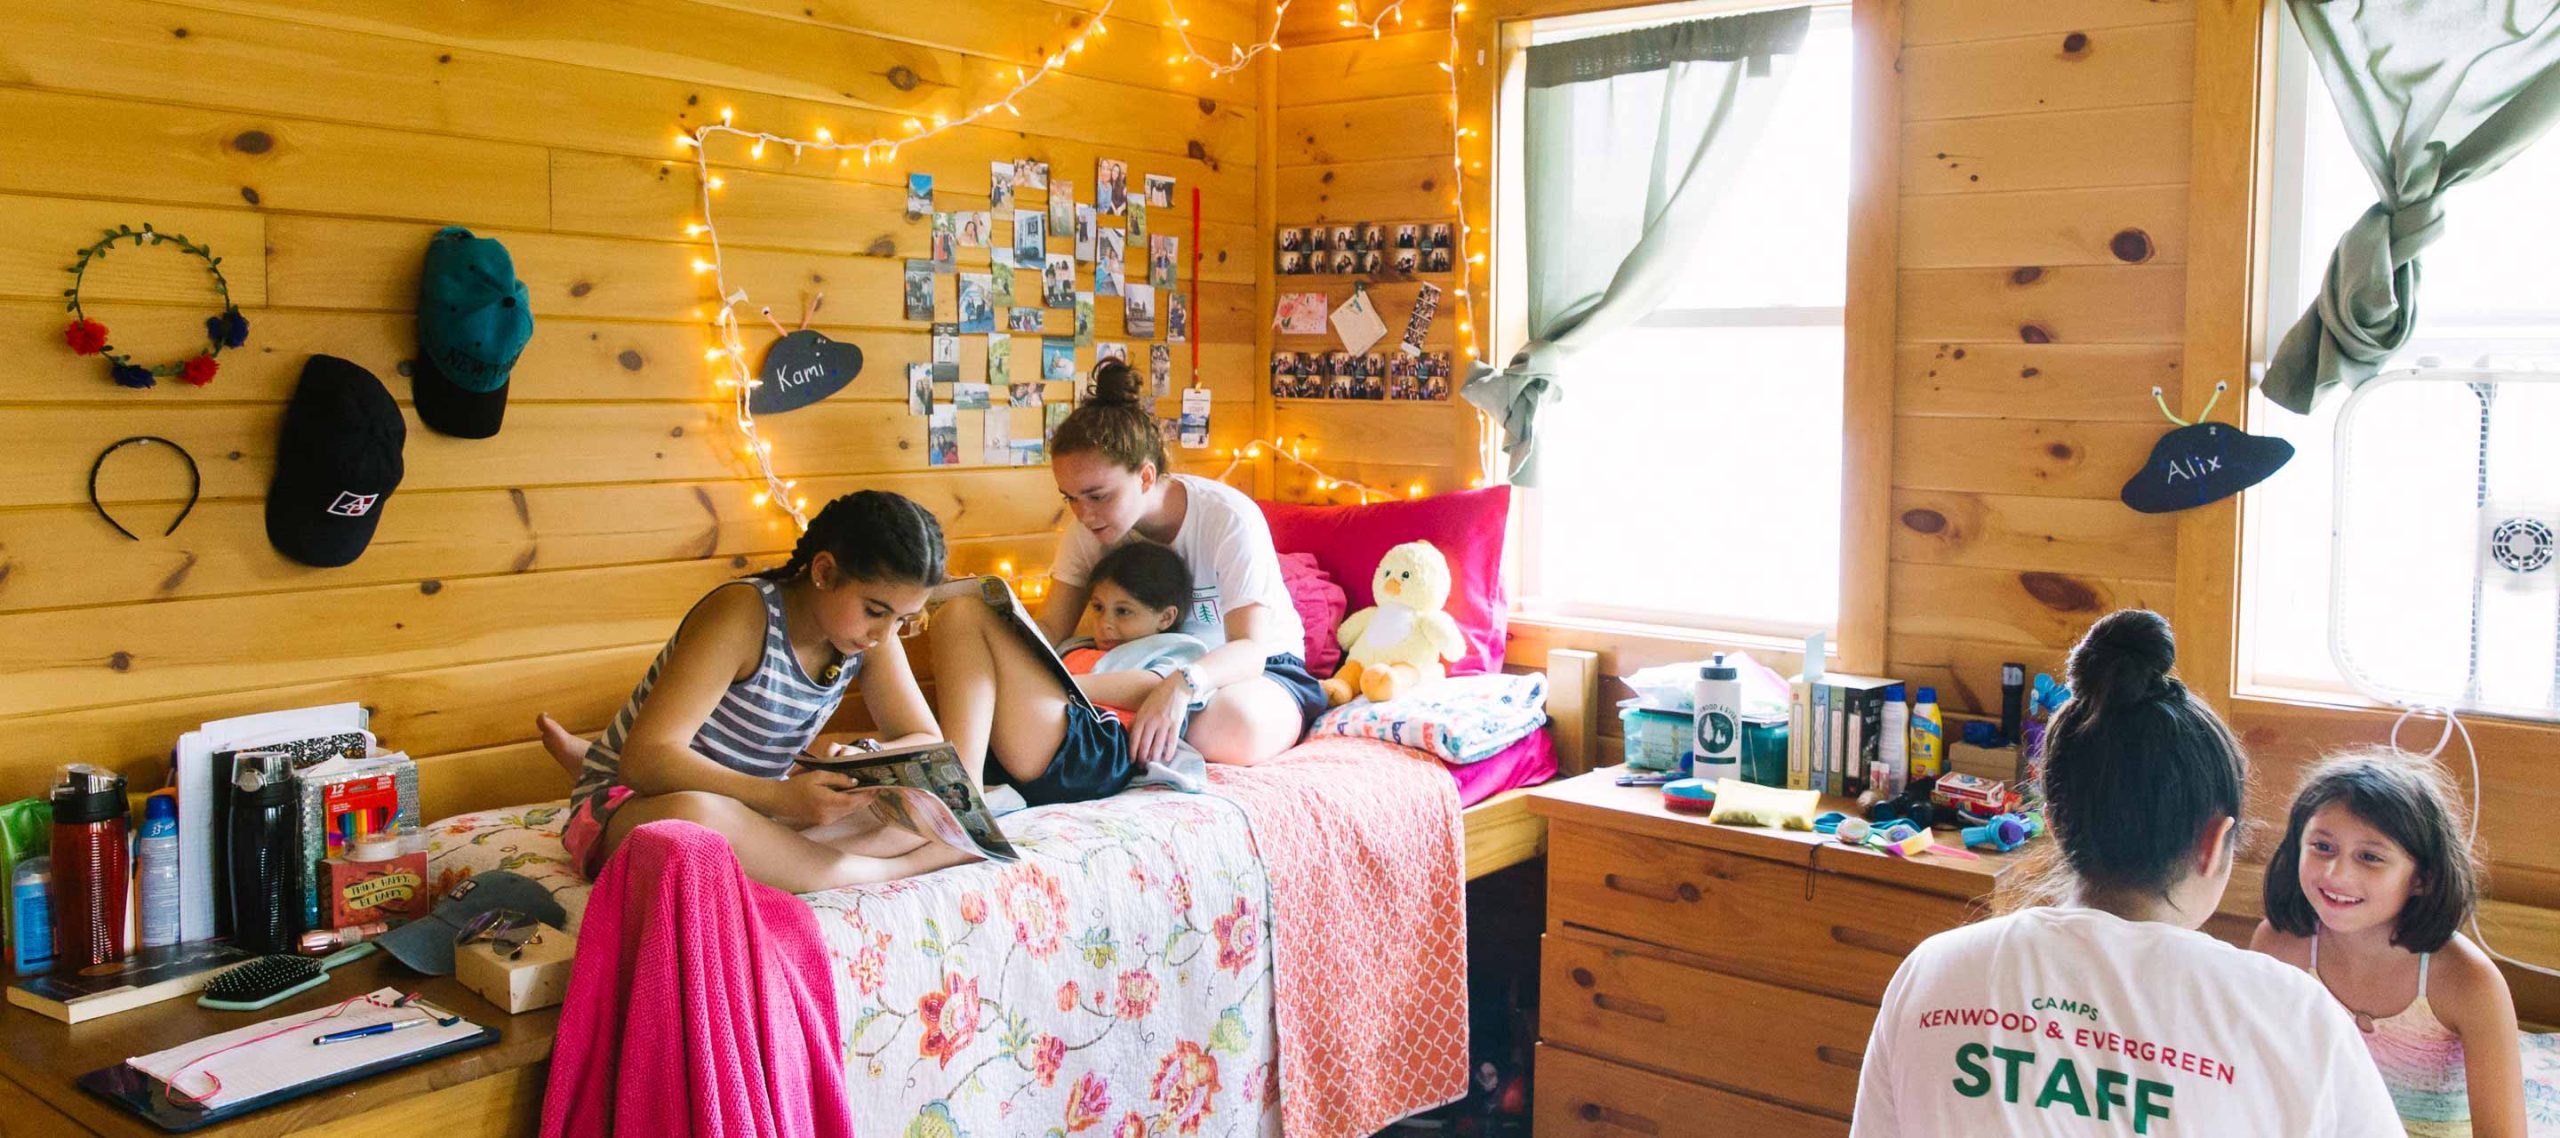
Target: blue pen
(375, 1029)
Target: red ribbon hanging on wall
(1195, 286)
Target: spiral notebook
(275, 1060)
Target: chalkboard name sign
(803, 368)
(2200, 463)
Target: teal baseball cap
(474, 319)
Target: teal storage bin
(1656, 740)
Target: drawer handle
(1650, 889)
(1594, 1112)
(1873, 941)
(1635, 1008)
(1840, 1057)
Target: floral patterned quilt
(1115, 982)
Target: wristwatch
(1199, 684)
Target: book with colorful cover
(76, 995)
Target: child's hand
(815, 798)
(1156, 730)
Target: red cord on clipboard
(197, 1101)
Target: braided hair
(875, 536)
(1113, 421)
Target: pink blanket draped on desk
(1362, 844)
(700, 1003)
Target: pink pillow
(1320, 607)
(1349, 541)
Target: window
(2485, 301)
(1691, 475)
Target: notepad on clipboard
(275, 1060)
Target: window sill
(1629, 646)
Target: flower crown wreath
(89, 338)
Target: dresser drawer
(1583, 1097)
(1796, 1047)
(1746, 914)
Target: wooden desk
(486, 1091)
(1699, 979)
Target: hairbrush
(257, 983)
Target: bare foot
(566, 749)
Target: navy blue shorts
(1093, 761)
(1290, 672)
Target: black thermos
(265, 853)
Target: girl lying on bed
(710, 734)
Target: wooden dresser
(1702, 980)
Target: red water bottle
(92, 865)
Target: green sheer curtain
(2434, 93)
(1628, 138)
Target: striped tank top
(758, 726)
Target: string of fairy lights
(735, 376)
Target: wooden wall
(315, 144)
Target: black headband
(195, 482)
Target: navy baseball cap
(474, 319)
(426, 944)
(337, 462)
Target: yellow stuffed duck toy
(1399, 643)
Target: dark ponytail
(2136, 768)
(875, 536)
(1114, 421)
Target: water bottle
(92, 865)
(1716, 696)
(265, 845)
(31, 913)
(155, 867)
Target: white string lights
(1294, 453)
(736, 377)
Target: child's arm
(2471, 997)
(719, 644)
(890, 693)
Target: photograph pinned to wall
(919, 290)
(1289, 255)
(1400, 376)
(1432, 376)
(1409, 236)
(972, 396)
(920, 389)
(942, 436)
(1177, 317)
(1169, 427)
(1062, 207)
(1110, 186)
(1436, 236)
(995, 447)
(999, 185)
(1050, 416)
(976, 227)
(1407, 261)
(1438, 260)
(999, 359)
(1343, 239)
(1373, 261)
(1160, 191)
(1292, 263)
(1000, 277)
(1030, 236)
(1085, 228)
(1300, 314)
(1137, 224)
(1084, 319)
(1110, 350)
(1417, 325)
(1373, 236)
(1023, 320)
(1023, 395)
(1058, 281)
(1160, 369)
(1057, 359)
(977, 306)
(919, 196)
(1284, 375)
(1030, 174)
(946, 353)
(1110, 262)
(1030, 452)
(1162, 249)
(1346, 261)
(1195, 418)
(1138, 311)
(946, 255)
(1342, 375)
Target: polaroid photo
(1023, 395)
(1138, 310)
(1137, 224)
(945, 244)
(1177, 317)
(1159, 191)
(972, 396)
(920, 389)
(1084, 318)
(977, 306)
(1160, 369)
(1057, 359)
(1062, 207)
(975, 227)
(999, 186)
(1023, 320)
(1110, 350)
(999, 359)
(1085, 226)
(1030, 452)
(1408, 237)
(946, 353)
(1161, 252)
(1407, 260)
(1058, 281)
(1110, 186)
(1109, 262)
(1030, 174)
(919, 278)
(995, 446)
(1030, 236)
(919, 196)
(942, 436)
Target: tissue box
(537, 979)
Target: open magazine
(924, 788)
(998, 595)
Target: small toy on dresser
(1400, 642)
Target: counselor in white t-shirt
(1227, 544)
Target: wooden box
(539, 978)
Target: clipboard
(131, 1088)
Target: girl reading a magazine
(712, 732)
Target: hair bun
(2125, 656)
(1115, 382)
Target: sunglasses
(506, 930)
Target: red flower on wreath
(87, 337)
(199, 370)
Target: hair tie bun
(2125, 657)
(1114, 383)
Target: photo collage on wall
(1039, 242)
(1368, 247)
(1366, 375)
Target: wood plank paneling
(1366, 191)
(1952, 21)
(2107, 226)
(1360, 131)
(2020, 456)
(2110, 382)
(2137, 146)
(2060, 71)
(2029, 533)
(2093, 304)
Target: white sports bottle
(1716, 747)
